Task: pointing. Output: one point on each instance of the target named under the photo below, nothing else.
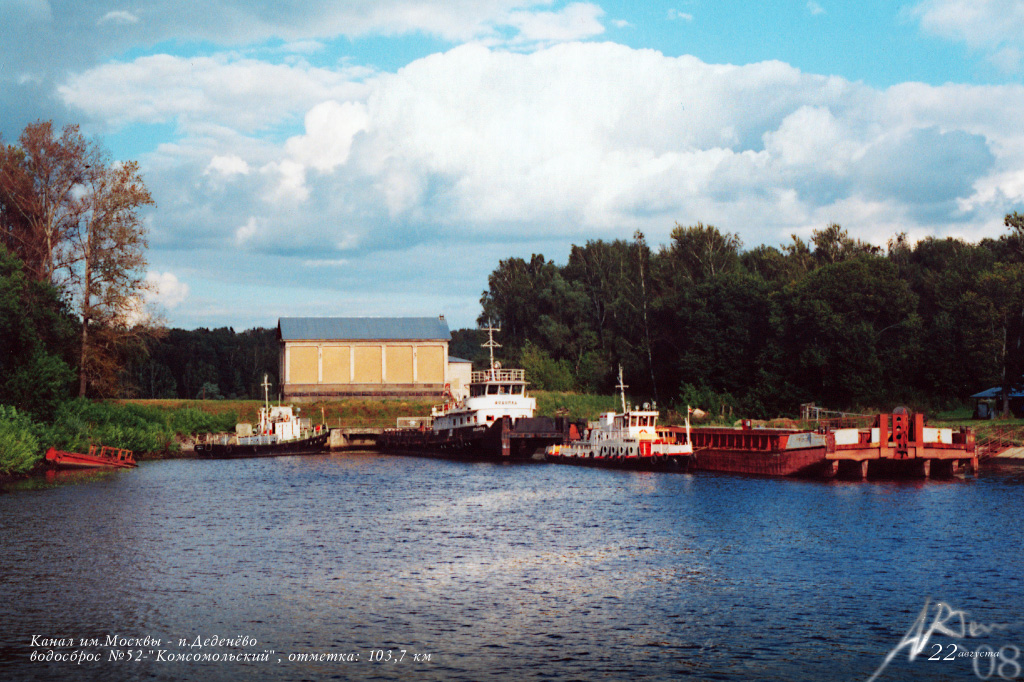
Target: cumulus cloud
(166, 289)
(995, 26)
(573, 22)
(330, 129)
(227, 165)
(478, 153)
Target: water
(501, 572)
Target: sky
(380, 157)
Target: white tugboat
(494, 393)
(627, 440)
(496, 419)
(279, 431)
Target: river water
(292, 568)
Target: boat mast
(491, 345)
(622, 390)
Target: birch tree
(108, 277)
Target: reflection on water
(496, 571)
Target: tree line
(832, 320)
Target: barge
(761, 452)
(104, 457)
(897, 445)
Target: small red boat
(103, 457)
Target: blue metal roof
(994, 393)
(363, 329)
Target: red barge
(102, 458)
(897, 445)
(762, 452)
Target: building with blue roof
(337, 357)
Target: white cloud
(118, 18)
(573, 22)
(994, 26)
(330, 129)
(511, 153)
(243, 94)
(246, 232)
(166, 290)
(676, 15)
(814, 8)
(227, 165)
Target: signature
(946, 621)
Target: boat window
(492, 390)
(503, 389)
(517, 389)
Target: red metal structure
(900, 444)
(104, 458)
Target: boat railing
(498, 375)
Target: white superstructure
(493, 394)
(631, 434)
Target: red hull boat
(105, 458)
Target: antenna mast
(491, 344)
(622, 390)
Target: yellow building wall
(304, 365)
(368, 368)
(337, 364)
(399, 364)
(431, 361)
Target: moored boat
(630, 440)
(496, 420)
(279, 432)
(103, 457)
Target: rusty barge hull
(525, 438)
(757, 452)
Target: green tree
(702, 252)
(35, 329)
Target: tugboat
(279, 432)
(495, 421)
(629, 440)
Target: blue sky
(378, 157)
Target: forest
(832, 320)
(701, 321)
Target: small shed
(336, 357)
(987, 403)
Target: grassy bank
(147, 430)
(379, 413)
